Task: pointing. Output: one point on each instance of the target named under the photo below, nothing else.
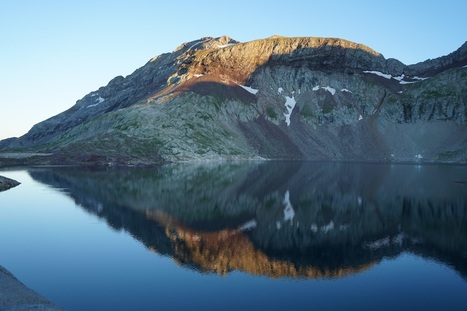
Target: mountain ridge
(303, 97)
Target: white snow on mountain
(419, 78)
(407, 82)
(378, 73)
(250, 89)
(225, 45)
(289, 104)
(98, 101)
(329, 89)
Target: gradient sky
(55, 52)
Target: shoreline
(7, 183)
(14, 295)
(29, 159)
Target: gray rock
(287, 98)
(14, 295)
(7, 183)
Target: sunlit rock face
(275, 98)
(280, 219)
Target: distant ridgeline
(274, 98)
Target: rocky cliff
(275, 98)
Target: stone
(7, 183)
(14, 295)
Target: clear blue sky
(55, 52)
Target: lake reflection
(280, 219)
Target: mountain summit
(274, 98)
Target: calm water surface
(240, 236)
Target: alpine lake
(248, 235)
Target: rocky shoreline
(14, 295)
(7, 183)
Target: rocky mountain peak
(279, 97)
(242, 59)
(430, 67)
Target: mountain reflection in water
(280, 219)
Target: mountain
(274, 98)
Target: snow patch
(248, 225)
(289, 212)
(346, 90)
(418, 156)
(378, 243)
(385, 242)
(278, 225)
(225, 45)
(329, 89)
(464, 66)
(289, 104)
(360, 117)
(198, 75)
(379, 73)
(399, 78)
(398, 239)
(280, 90)
(328, 227)
(314, 228)
(197, 43)
(250, 89)
(98, 101)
